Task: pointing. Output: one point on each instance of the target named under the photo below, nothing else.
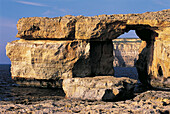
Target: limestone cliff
(87, 43)
(125, 52)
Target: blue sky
(12, 10)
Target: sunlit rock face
(51, 60)
(47, 59)
(92, 55)
(99, 88)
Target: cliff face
(125, 52)
(82, 46)
(49, 60)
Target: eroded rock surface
(102, 27)
(48, 60)
(43, 59)
(154, 70)
(45, 63)
(44, 27)
(99, 88)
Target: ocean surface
(9, 91)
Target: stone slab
(102, 27)
(99, 88)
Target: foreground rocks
(53, 49)
(107, 88)
(148, 102)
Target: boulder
(107, 88)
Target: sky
(12, 10)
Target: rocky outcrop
(47, 59)
(93, 35)
(50, 61)
(46, 63)
(155, 74)
(105, 88)
(162, 67)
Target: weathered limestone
(99, 88)
(38, 27)
(101, 27)
(55, 60)
(98, 32)
(162, 70)
(149, 102)
(153, 64)
(47, 59)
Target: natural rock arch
(49, 42)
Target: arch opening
(134, 55)
(147, 35)
(125, 52)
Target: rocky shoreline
(154, 102)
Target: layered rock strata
(49, 61)
(153, 28)
(125, 52)
(102, 27)
(46, 63)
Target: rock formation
(53, 49)
(48, 60)
(105, 88)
